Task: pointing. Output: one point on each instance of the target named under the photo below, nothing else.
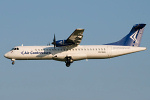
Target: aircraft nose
(6, 55)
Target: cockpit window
(14, 49)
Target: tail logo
(133, 36)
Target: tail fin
(133, 38)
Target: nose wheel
(68, 61)
(13, 61)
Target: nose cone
(6, 55)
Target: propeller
(54, 41)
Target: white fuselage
(79, 52)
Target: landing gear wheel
(68, 61)
(67, 64)
(13, 63)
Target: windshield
(14, 49)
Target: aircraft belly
(98, 55)
(74, 56)
(79, 56)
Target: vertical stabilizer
(133, 38)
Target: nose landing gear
(13, 61)
(68, 61)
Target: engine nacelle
(60, 43)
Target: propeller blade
(54, 41)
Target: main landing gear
(68, 61)
(13, 61)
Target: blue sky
(34, 22)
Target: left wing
(76, 37)
(73, 40)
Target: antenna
(48, 44)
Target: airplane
(69, 50)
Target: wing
(76, 37)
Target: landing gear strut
(13, 61)
(68, 61)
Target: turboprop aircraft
(69, 50)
